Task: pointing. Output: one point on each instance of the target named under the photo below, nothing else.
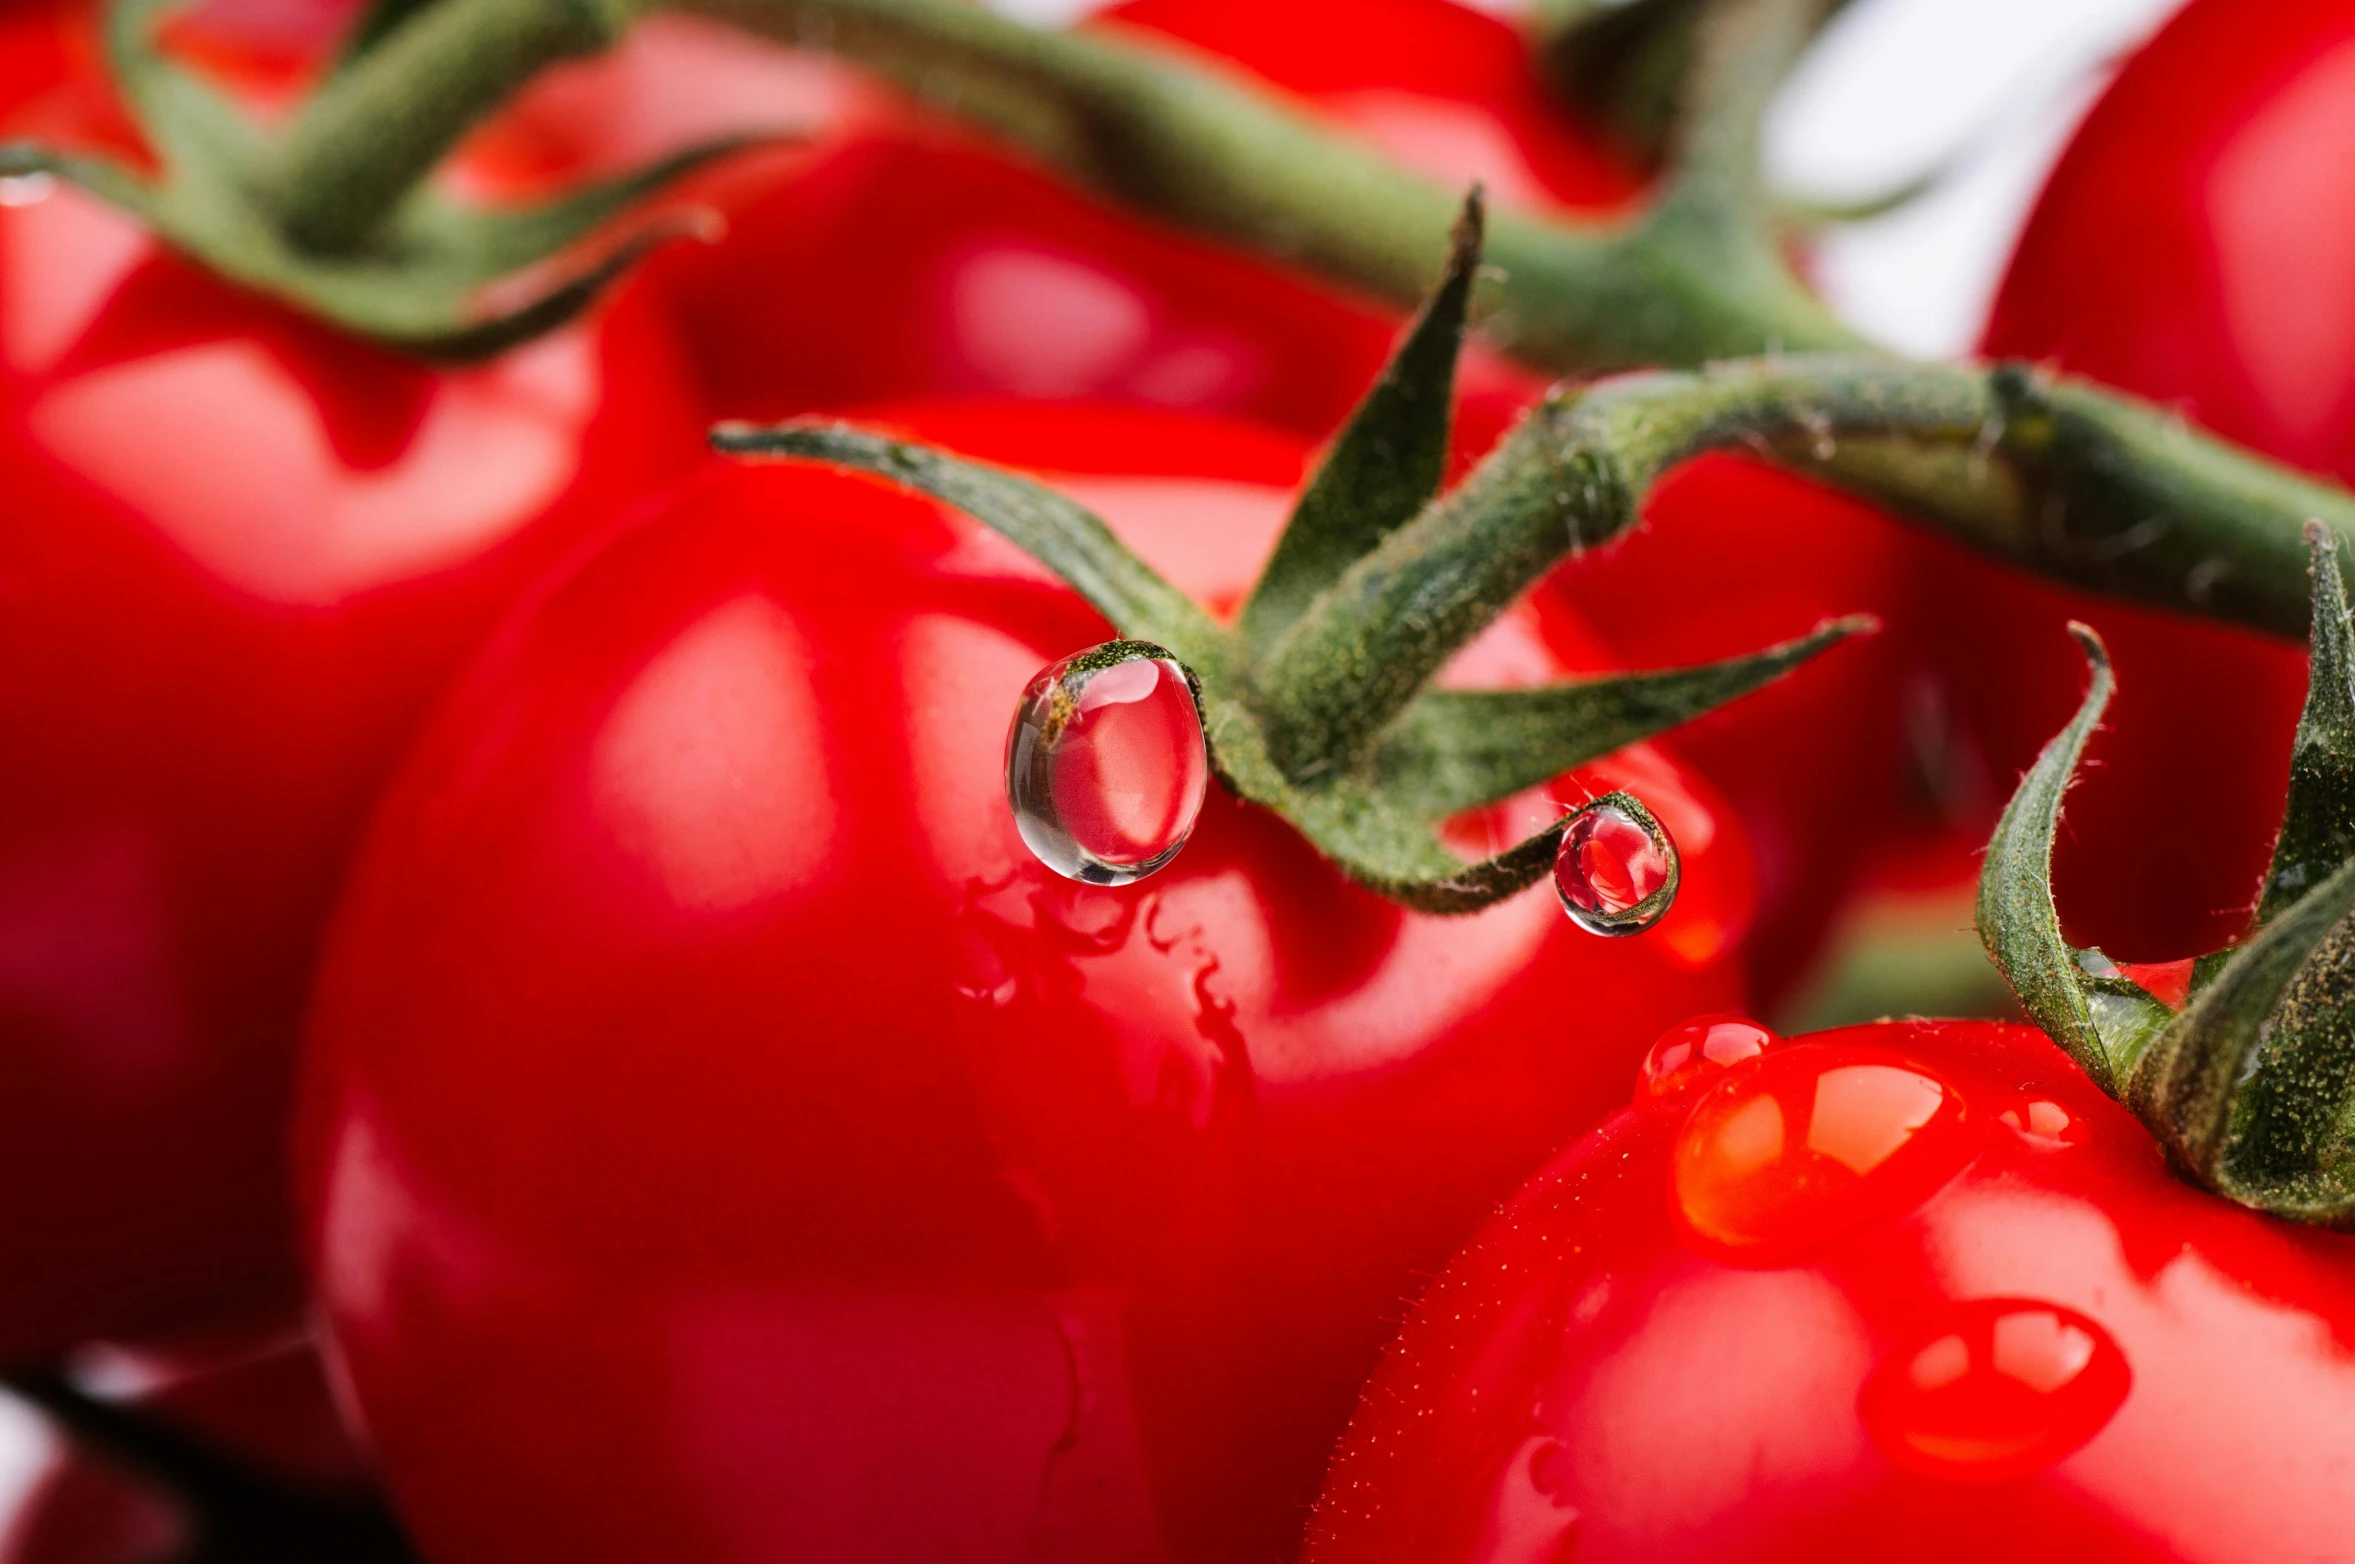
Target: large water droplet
(1105, 764)
(2002, 1388)
(1698, 1050)
(1616, 870)
(1804, 1143)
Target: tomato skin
(241, 554)
(2191, 246)
(1667, 1403)
(722, 1140)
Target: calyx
(430, 276)
(1357, 750)
(2251, 1085)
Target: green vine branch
(2068, 480)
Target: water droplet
(2042, 1122)
(1105, 764)
(1804, 1143)
(1616, 870)
(1698, 1050)
(2002, 1388)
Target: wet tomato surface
(725, 1139)
(1913, 1290)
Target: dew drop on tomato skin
(2002, 1388)
(1692, 1052)
(1802, 1145)
(1616, 870)
(1105, 763)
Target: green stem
(2075, 484)
(1213, 153)
(374, 130)
(2092, 488)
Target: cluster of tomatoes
(491, 887)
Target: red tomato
(724, 1140)
(1910, 1291)
(2194, 245)
(915, 262)
(239, 556)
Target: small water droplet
(2044, 1123)
(26, 189)
(1804, 1143)
(1616, 870)
(2002, 1388)
(1698, 1050)
(1105, 764)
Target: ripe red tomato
(2194, 245)
(1909, 1291)
(914, 261)
(724, 1139)
(239, 555)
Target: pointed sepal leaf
(2253, 1086)
(1386, 464)
(1457, 749)
(440, 279)
(2318, 824)
(2103, 1021)
(1060, 533)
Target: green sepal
(1458, 749)
(2251, 1087)
(1378, 822)
(438, 280)
(2318, 824)
(2103, 1022)
(1059, 533)
(1388, 460)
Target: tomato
(1913, 1290)
(240, 554)
(2191, 246)
(722, 1139)
(910, 260)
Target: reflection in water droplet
(1105, 764)
(2002, 1388)
(2042, 1122)
(1802, 1144)
(1698, 1050)
(1616, 870)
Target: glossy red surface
(2195, 245)
(240, 555)
(914, 261)
(2041, 1347)
(725, 1140)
